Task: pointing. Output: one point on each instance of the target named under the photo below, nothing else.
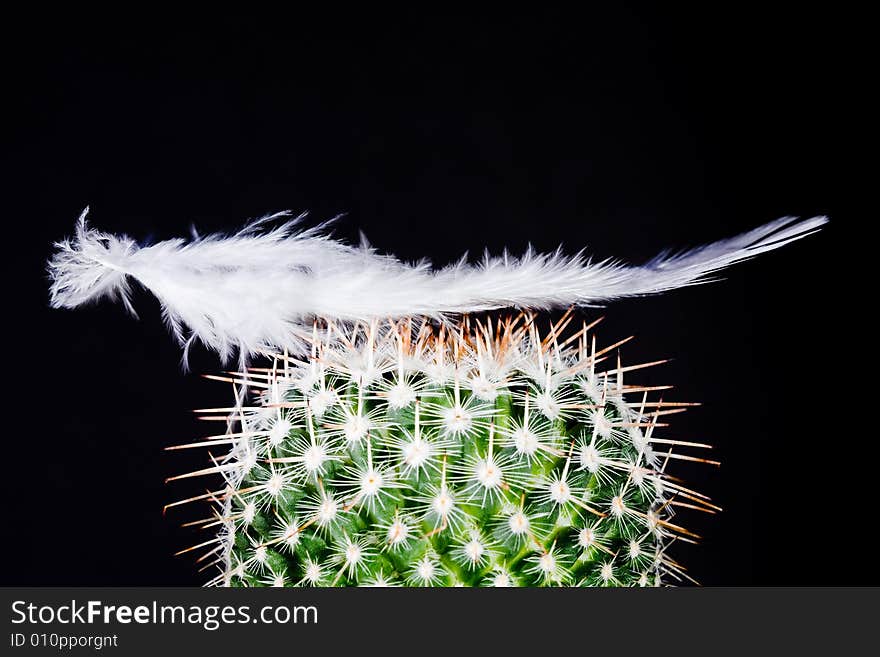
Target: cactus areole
(380, 434)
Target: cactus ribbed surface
(486, 453)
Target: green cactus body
(485, 454)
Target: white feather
(261, 287)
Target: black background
(626, 130)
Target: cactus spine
(485, 453)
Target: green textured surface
(549, 553)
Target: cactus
(480, 454)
